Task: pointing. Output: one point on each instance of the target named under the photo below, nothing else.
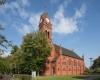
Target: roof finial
(83, 56)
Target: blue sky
(76, 23)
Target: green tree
(2, 38)
(14, 49)
(2, 2)
(4, 66)
(96, 65)
(36, 45)
(15, 60)
(32, 54)
(4, 43)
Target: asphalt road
(93, 77)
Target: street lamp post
(91, 59)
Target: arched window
(58, 69)
(46, 33)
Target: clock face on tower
(47, 20)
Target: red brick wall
(64, 65)
(69, 66)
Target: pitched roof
(67, 52)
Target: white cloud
(5, 54)
(63, 2)
(25, 2)
(24, 14)
(61, 24)
(67, 25)
(32, 26)
(18, 10)
(34, 20)
(80, 12)
(25, 29)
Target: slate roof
(67, 52)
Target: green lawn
(57, 78)
(27, 77)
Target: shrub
(4, 67)
(22, 77)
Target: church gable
(67, 52)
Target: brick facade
(61, 61)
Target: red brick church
(61, 61)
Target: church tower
(46, 26)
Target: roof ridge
(67, 52)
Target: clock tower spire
(46, 26)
